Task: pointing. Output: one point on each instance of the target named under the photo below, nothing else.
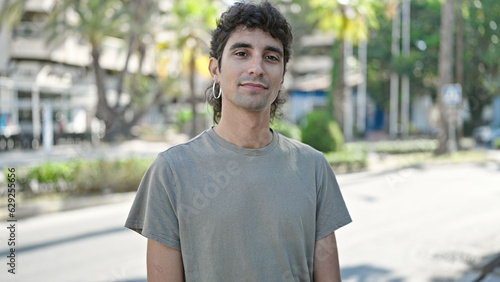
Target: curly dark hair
(253, 16)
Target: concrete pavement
(420, 224)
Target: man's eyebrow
(248, 45)
(240, 45)
(275, 49)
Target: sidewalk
(489, 269)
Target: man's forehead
(247, 35)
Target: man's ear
(213, 68)
(283, 78)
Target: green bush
(184, 116)
(83, 176)
(352, 157)
(322, 133)
(50, 172)
(113, 176)
(287, 129)
(496, 143)
(405, 146)
(467, 143)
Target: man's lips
(254, 86)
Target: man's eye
(273, 58)
(240, 54)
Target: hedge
(83, 176)
(353, 157)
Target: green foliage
(116, 176)
(184, 116)
(406, 65)
(332, 17)
(92, 21)
(83, 176)
(405, 146)
(466, 143)
(143, 88)
(50, 172)
(322, 133)
(496, 143)
(352, 157)
(287, 129)
(11, 12)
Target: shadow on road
(65, 240)
(365, 273)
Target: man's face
(251, 71)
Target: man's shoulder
(195, 144)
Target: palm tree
(459, 64)
(192, 21)
(444, 70)
(94, 21)
(11, 12)
(348, 23)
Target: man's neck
(247, 130)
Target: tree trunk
(104, 112)
(459, 66)
(194, 101)
(121, 75)
(140, 113)
(405, 80)
(444, 71)
(338, 92)
(347, 93)
(338, 74)
(361, 98)
(394, 90)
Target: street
(420, 224)
(416, 224)
(82, 245)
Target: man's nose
(256, 67)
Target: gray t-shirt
(240, 214)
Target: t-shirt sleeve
(331, 210)
(153, 210)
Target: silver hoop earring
(213, 91)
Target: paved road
(409, 225)
(425, 224)
(81, 245)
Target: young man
(240, 202)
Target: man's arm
(326, 260)
(163, 263)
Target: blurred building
(34, 75)
(311, 72)
(311, 79)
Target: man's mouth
(254, 86)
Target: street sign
(452, 94)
